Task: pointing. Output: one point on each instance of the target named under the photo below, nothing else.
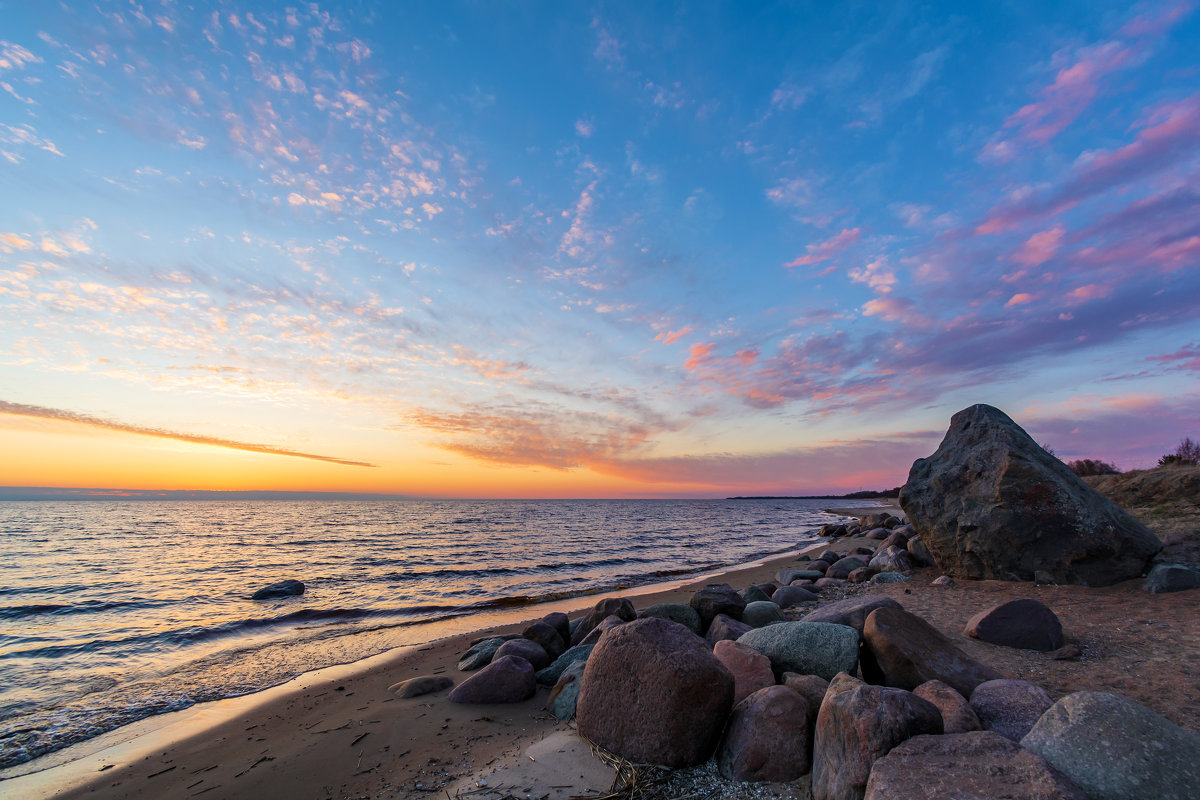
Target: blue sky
(546, 249)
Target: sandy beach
(343, 735)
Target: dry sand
(344, 736)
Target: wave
(86, 607)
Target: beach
(341, 734)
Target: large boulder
(506, 680)
(852, 611)
(812, 688)
(1026, 623)
(608, 607)
(893, 559)
(415, 687)
(979, 766)
(751, 670)
(654, 694)
(992, 503)
(905, 651)
(561, 624)
(1114, 748)
(1009, 707)
(717, 598)
(858, 724)
(807, 648)
(766, 738)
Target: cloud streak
(75, 418)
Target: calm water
(113, 611)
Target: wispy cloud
(76, 418)
(831, 247)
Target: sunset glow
(559, 250)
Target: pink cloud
(671, 337)
(1040, 248)
(1019, 299)
(823, 251)
(1187, 358)
(895, 309)
(1091, 291)
(1077, 84)
(699, 355)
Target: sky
(538, 249)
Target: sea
(113, 611)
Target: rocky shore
(954, 652)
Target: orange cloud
(699, 355)
(671, 337)
(61, 415)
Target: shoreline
(104, 758)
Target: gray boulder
(565, 694)
(654, 694)
(807, 648)
(760, 613)
(1009, 707)
(991, 503)
(550, 675)
(890, 577)
(505, 680)
(893, 559)
(974, 766)
(852, 611)
(788, 596)
(919, 552)
(1114, 748)
(288, 588)
(1171, 578)
(676, 612)
(480, 654)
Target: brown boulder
(991, 503)
(979, 765)
(415, 687)
(532, 652)
(858, 724)
(766, 738)
(957, 714)
(905, 651)
(751, 670)
(653, 693)
(1026, 624)
(548, 637)
(505, 680)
